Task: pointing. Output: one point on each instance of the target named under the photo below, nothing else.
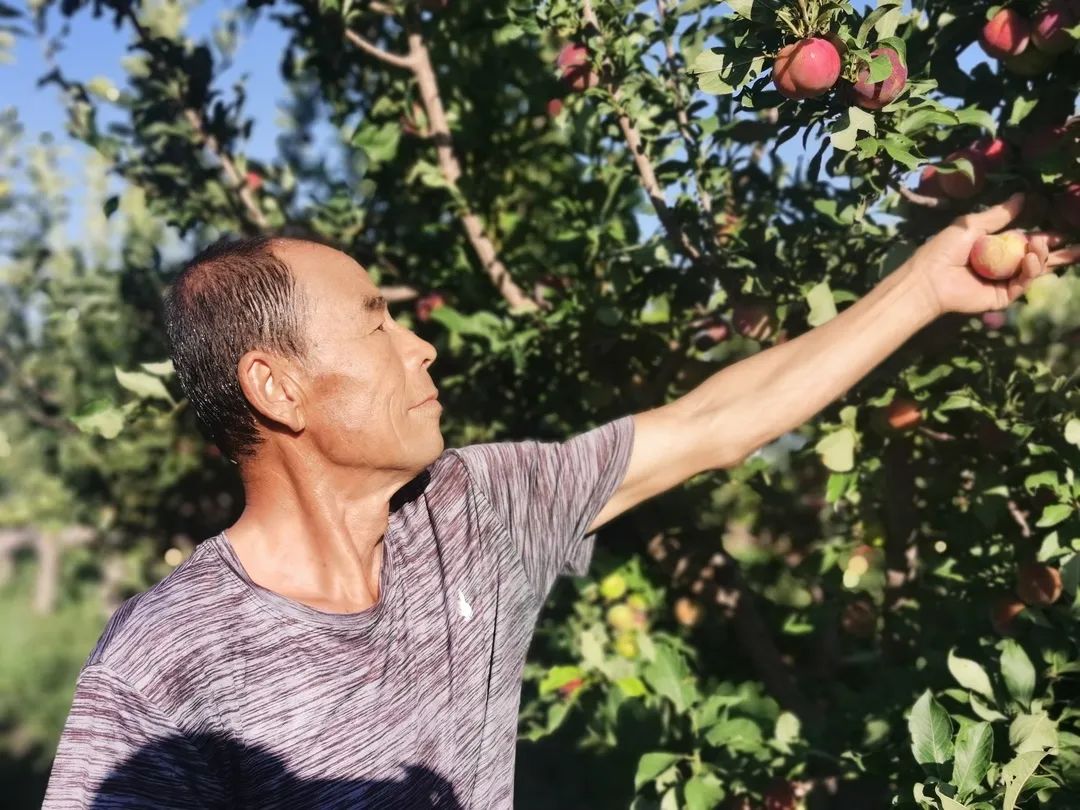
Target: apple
(995, 153)
(1031, 63)
(859, 619)
(903, 414)
(781, 796)
(577, 74)
(637, 603)
(612, 587)
(929, 182)
(428, 304)
(998, 256)
(957, 184)
(995, 320)
(1067, 205)
(253, 180)
(875, 95)
(621, 617)
(1006, 34)
(687, 611)
(1050, 30)
(1003, 615)
(753, 320)
(1042, 143)
(571, 686)
(807, 68)
(1038, 584)
(626, 646)
(554, 107)
(710, 336)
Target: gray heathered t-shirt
(208, 690)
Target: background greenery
(812, 628)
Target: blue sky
(97, 48)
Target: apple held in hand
(806, 68)
(998, 256)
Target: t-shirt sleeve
(547, 494)
(118, 750)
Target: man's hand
(942, 263)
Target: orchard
(590, 208)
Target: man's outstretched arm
(750, 403)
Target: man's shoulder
(153, 632)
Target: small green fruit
(612, 587)
(621, 617)
(626, 646)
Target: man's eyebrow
(373, 303)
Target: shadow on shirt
(217, 771)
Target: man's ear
(270, 385)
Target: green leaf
(787, 728)
(947, 803)
(735, 734)
(837, 450)
(931, 731)
(1032, 732)
(668, 676)
(656, 310)
(1016, 773)
(1054, 514)
(974, 750)
(145, 386)
(1017, 671)
(652, 765)
(558, 676)
(161, 369)
(703, 792)
(100, 417)
(631, 686)
(1072, 432)
(822, 305)
(880, 68)
(970, 675)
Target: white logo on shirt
(464, 608)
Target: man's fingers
(1064, 256)
(1031, 267)
(1039, 244)
(995, 217)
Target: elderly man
(357, 637)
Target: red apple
(554, 107)
(957, 184)
(1003, 615)
(995, 321)
(428, 304)
(781, 796)
(903, 414)
(1049, 32)
(1042, 143)
(807, 68)
(929, 182)
(253, 180)
(577, 74)
(995, 153)
(753, 320)
(1038, 584)
(710, 336)
(998, 256)
(1006, 34)
(875, 95)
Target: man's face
(367, 373)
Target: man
(357, 637)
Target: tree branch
(641, 160)
(208, 140)
(918, 199)
(398, 61)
